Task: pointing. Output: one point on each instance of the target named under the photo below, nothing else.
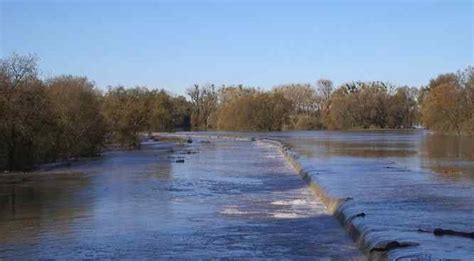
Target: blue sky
(174, 44)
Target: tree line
(67, 117)
(445, 105)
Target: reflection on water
(407, 182)
(448, 147)
(228, 199)
(239, 199)
(451, 157)
(32, 205)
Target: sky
(175, 44)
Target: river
(406, 183)
(216, 199)
(242, 199)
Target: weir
(340, 209)
(344, 210)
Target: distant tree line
(357, 105)
(68, 117)
(445, 105)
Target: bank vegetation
(67, 117)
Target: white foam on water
(232, 211)
(285, 215)
(295, 202)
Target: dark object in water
(392, 245)
(179, 161)
(361, 214)
(424, 230)
(190, 140)
(449, 232)
(187, 152)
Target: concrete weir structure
(344, 210)
(338, 207)
(334, 206)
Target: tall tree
(26, 118)
(204, 103)
(127, 112)
(80, 125)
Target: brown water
(228, 199)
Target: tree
(325, 90)
(131, 112)
(26, 118)
(254, 111)
(204, 104)
(359, 105)
(194, 94)
(341, 114)
(181, 113)
(80, 126)
(403, 108)
(447, 103)
(127, 112)
(161, 111)
(305, 105)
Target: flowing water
(241, 199)
(227, 199)
(407, 183)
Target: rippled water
(408, 183)
(241, 199)
(228, 199)
(404, 182)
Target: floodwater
(227, 199)
(408, 183)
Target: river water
(227, 199)
(241, 199)
(407, 183)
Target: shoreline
(59, 167)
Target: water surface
(408, 183)
(228, 199)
